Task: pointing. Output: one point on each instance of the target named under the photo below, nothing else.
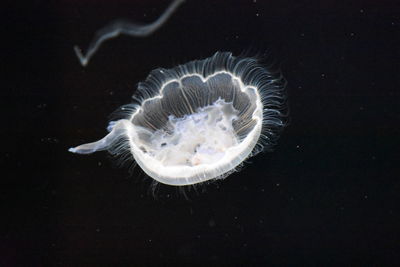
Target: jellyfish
(199, 121)
(118, 27)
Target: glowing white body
(198, 121)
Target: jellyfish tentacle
(117, 130)
(115, 28)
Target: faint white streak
(118, 27)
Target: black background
(327, 195)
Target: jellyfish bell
(199, 121)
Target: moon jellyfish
(118, 27)
(199, 121)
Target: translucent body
(199, 138)
(199, 121)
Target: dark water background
(328, 195)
